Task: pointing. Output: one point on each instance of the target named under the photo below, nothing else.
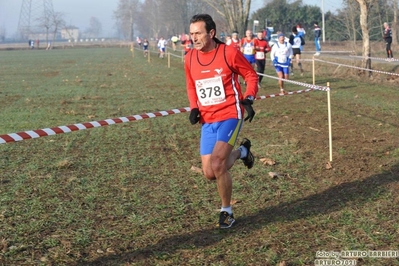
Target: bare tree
(95, 27)
(167, 18)
(236, 12)
(2, 33)
(395, 23)
(51, 21)
(351, 13)
(364, 10)
(46, 23)
(149, 19)
(57, 22)
(125, 15)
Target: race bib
(282, 55)
(210, 91)
(248, 50)
(260, 55)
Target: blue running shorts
(226, 131)
(285, 70)
(250, 58)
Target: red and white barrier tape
(283, 94)
(313, 87)
(361, 68)
(75, 127)
(31, 134)
(376, 58)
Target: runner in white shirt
(162, 45)
(281, 56)
(296, 41)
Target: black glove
(247, 103)
(194, 116)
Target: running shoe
(249, 159)
(226, 220)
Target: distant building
(70, 33)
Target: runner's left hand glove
(247, 103)
(194, 116)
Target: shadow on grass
(330, 200)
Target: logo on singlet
(219, 70)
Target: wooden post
(329, 120)
(313, 70)
(148, 54)
(168, 59)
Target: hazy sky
(79, 12)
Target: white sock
(227, 209)
(243, 151)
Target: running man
(162, 46)
(187, 44)
(296, 41)
(145, 47)
(248, 47)
(234, 41)
(217, 103)
(281, 55)
(302, 33)
(262, 47)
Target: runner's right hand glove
(194, 116)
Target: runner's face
(248, 33)
(201, 39)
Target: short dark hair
(294, 30)
(209, 23)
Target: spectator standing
(217, 102)
(296, 42)
(262, 47)
(388, 39)
(281, 55)
(317, 34)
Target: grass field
(126, 194)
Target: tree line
(155, 18)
